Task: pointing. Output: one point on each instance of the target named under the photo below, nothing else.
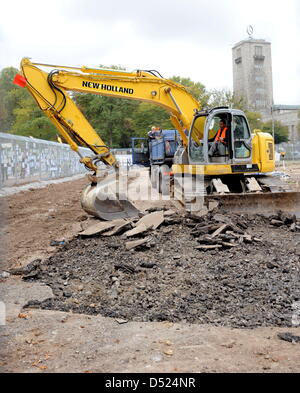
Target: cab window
(196, 139)
(242, 137)
(214, 127)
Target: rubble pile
(230, 270)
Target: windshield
(242, 137)
(196, 139)
(140, 146)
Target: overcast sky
(190, 38)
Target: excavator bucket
(103, 200)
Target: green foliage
(10, 95)
(195, 88)
(254, 119)
(19, 113)
(281, 132)
(30, 121)
(148, 115)
(110, 117)
(225, 97)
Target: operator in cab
(220, 141)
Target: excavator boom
(51, 90)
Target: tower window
(260, 90)
(259, 78)
(258, 53)
(238, 56)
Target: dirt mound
(238, 271)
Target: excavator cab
(237, 148)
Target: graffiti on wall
(24, 160)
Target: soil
(202, 303)
(36, 217)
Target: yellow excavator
(238, 178)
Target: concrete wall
(25, 160)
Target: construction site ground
(93, 306)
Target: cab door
(241, 139)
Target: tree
(225, 97)
(31, 121)
(281, 132)
(10, 96)
(148, 115)
(197, 89)
(254, 119)
(19, 113)
(112, 118)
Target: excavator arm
(52, 92)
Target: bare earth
(53, 341)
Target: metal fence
(292, 150)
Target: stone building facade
(252, 74)
(252, 80)
(288, 117)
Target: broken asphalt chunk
(277, 223)
(121, 321)
(289, 337)
(101, 227)
(221, 229)
(169, 213)
(135, 243)
(205, 247)
(137, 230)
(152, 220)
(118, 229)
(148, 265)
(54, 243)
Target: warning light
(19, 80)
